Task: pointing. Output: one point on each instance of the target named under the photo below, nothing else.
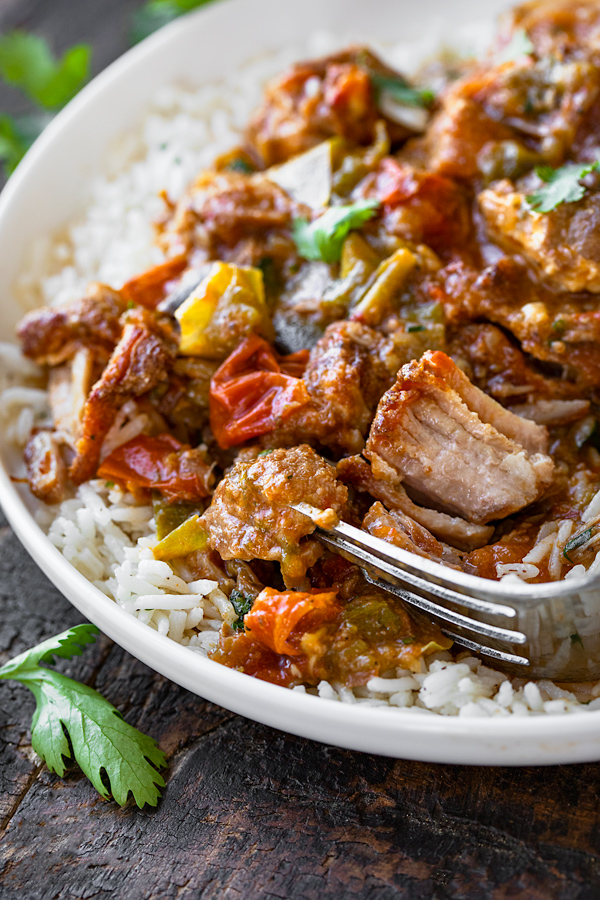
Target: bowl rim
(502, 740)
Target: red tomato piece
(253, 390)
(161, 463)
(276, 614)
(149, 288)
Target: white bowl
(46, 192)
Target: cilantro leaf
(156, 13)
(323, 238)
(561, 185)
(401, 91)
(519, 45)
(27, 63)
(72, 719)
(242, 604)
(17, 135)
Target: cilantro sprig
(74, 720)
(242, 604)
(561, 185)
(27, 63)
(323, 238)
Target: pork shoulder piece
(142, 358)
(46, 471)
(53, 334)
(399, 529)
(346, 375)
(453, 530)
(250, 516)
(562, 245)
(455, 446)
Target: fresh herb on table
(561, 185)
(323, 238)
(74, 720)
(242, 604)
(156, 13)
(27, 63)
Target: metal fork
(476, 623)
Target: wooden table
(249, 812)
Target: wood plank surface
(249, 812)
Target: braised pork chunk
(449, 442)
(250, 516)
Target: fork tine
(378, 555)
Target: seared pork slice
(455, 446)
(46, 471)
(53, 334)
(399, 529)
(346, 375)
(562, 245)
(250, 516)
(453, 530)
(141, 360)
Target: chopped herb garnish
(72, 719)
(578, 541)
(520, 45)
(412, 329)
(264, 453)
(561, 185)
(323, 238)
(110, 484)
(242, 604)
(401, 91)
(576, 639)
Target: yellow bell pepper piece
(185, 539)
(227, 306)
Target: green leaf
(27, 63)
(520, 45)
(156, 13)
(561, 185)
(323, 238)
(401, 91)
(242, 604)
(72, 719)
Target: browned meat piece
(452, 530)
(232, 216)
(141, 360)
(68, 388)
(316, 100)
(184, 400)
(51, 335)
(556, 328)
(346, 375)
(506, 116)
(496, 365)
(402, 531)
(46, 471)
(562, 245)
(456, 446)
(250, 515)
(460, 131)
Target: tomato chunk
(276, 614)
(254, 390)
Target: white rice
(102, 530)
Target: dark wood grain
(249, 812)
